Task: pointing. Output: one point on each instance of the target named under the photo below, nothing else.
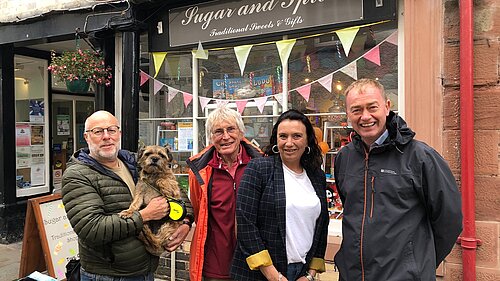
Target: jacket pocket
(410, 265)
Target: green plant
(80, 64)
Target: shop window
(32, 143)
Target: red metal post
(468, 239)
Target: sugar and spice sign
(220, 20)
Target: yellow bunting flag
(284, 49)
(158, 58)
(347, 36)
(242, 53)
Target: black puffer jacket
(93, 196)
(402, 208)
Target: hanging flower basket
(82, 66)
(77, 86)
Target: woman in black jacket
(281, 208)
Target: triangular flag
(279, 98)
(187, 98)
(203, 102)
(373, 55)
(221, 103)
(200, 53)
(346, 37)
(305, 91)
(261, 103)
(144, 77)
(158, 58)
(172, 92)
(284, 49)
(326, 81)
(242, 53)
(351, 70)
(393, 38)
(240, 104)
(157, 86)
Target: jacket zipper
(373, 197)
(363, 221)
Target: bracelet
(280, 276)
(309, 277)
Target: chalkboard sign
(49, 241)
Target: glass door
(68, 122)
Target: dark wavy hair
(313, 160)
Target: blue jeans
(294, 271)
(87, 276)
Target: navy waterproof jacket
(402, 208)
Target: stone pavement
(10, 257)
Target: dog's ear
(140, 152)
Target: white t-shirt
(302, 211)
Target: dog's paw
(126, 214)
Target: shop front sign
(222, 20)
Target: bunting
(284, 49)
(158, 58)
(200, 53)
(346, 37)
(373, 55)
(144, 77)
(305, 91)
(261, 103)
(326, 81)
(241, 104)
(242, 53)
(203, 102)
(187, 99)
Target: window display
(32, 151)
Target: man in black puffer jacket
(402, 207)
(97, 184)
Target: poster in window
(36, 134)
(23, 157)
(37, 110)
(23, 135)
(62, 125)
(185, 134)
(242, 88)
(37, 174)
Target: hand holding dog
(177, 238)
(157, 209)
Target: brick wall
(486, 129)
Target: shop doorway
(68, 122)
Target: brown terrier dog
(155, 179)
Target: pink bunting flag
(241, 104)
(187, 98)
(171, 93)
(305, 91)
(279, 98)
(326, 81)
(144, 77)
(157, 86)
(373, 55)
(351, 70)
(221, 103)
(261, 103)
(203, 102)
(393, 38)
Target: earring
(275, 147)
(308, 150)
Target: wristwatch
(309, 276)
(187, 222)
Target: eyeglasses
(220, 132)
(98, 131)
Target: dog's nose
(154, 159)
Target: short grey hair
(360, 84)
(221, 114)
